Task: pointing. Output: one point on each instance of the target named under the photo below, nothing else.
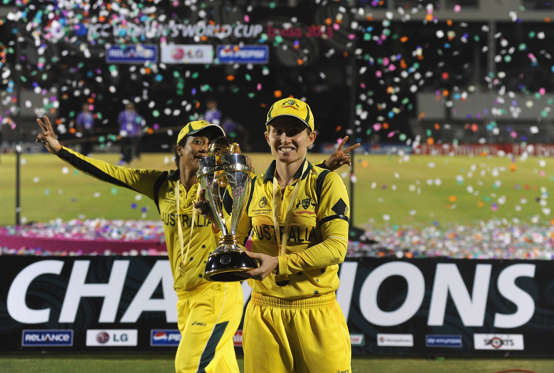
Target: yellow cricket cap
(291, 107)
(196, 126)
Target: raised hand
(341, 156)
(48, 136)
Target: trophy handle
(216, 208)
(208, 182)
(238, 177)
(238, 205)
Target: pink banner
(80, 246)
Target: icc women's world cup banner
(407, 307)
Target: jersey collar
(303, 170)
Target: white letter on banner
(92, 31)
(257, 30)
(368, 294)
(238, 33)
(173, 28)
(226, 31)
(448, 280)
(200, 29)
(143, 301)
(17, 308)
(188, 31)
(210, 31)
(77, 289)
(246, 292)
(524, 302)
(346, 288)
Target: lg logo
(102, 337)
(112, 337)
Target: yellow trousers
(301, 336)
(208, 317)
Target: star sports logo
(498, 341)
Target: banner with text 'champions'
(404, 307)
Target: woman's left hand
(341, 156)
(268, 264)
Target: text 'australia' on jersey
(317, 231)
(160, 187)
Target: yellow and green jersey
(160, 187)
(317, 231)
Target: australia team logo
(262, 203)
(291, 103)
(305, 203)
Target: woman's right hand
(203, 207)
(48, 136)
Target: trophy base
(227, 266)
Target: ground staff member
(298, 215)
(208, 312)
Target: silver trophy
(226, 170)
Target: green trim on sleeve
(332, 217)
(319, 183)
(157, 186)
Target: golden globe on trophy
(226, 170)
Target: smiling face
(191, 150)
(289, 139)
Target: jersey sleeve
(332, 220)
(139, 180)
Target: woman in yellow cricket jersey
(297, 215)
(209, 313)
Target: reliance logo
(41, 338)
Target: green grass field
(91, 363)
(389, 190)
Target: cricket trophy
(226, 171)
